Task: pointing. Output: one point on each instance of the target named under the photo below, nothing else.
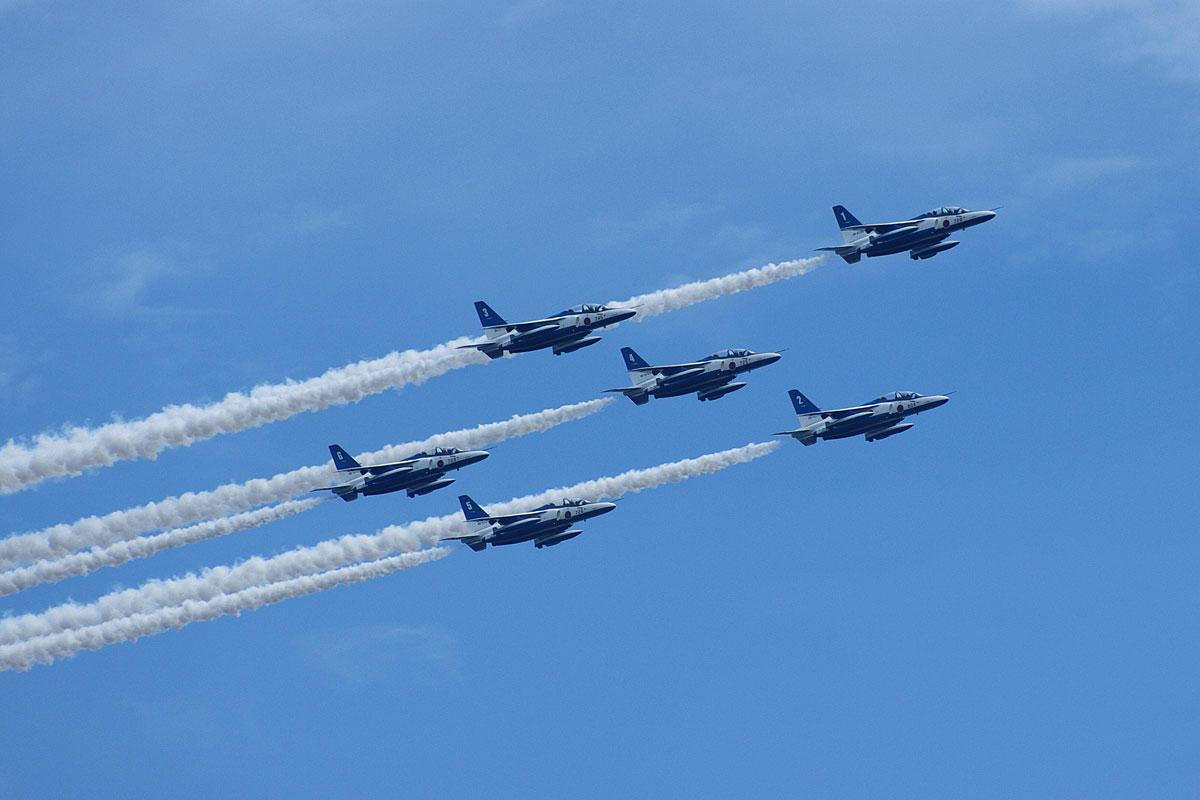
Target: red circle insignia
(945, 223)
(441, 463)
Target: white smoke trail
(51, 570)
(349, 549)
(59, 540)
(660, 302)
(45, 649)
(78, 449)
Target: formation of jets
(922, 236)
(709, 378)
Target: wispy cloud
(1162, 32)
(1071, 173)
(525, 12)
(127, 278)
(399, 653)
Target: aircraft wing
(882, 227)
(525, 327)
(838, 413)
(502, 518)
(674, 370)
(395, 466)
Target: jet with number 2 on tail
(923, 237)
(418, 474)
(567, 331)
(882, 417)
(710, 377)
(546, 525)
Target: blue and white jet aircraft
(878, 419)
(565, 332)
(419, 474)
(923, 237)
(710, 377)
(546, 525)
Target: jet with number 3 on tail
(565, 332)
(545, 526)
(923, 237)
(882, 417)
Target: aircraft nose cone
(474, 456)
(936, 400)
(602, 508)
(624, 314)
(768, 358)
(984, 216)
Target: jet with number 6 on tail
(418, 474)
(710, 377)
(882, 417)
(546, 525)
(567, 331)
(923, 237)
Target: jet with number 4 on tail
(418, 474)
(710, 377)
(546, 525)
(923, 237)
(565, 332)
(882, 417)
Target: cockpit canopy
(438, 451)
(730, 353)
(586, 308)
(566, 501)
(945, 211)
(893, 396)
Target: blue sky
(1000, 602)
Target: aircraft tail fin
(488, 318)
(341, 459)
(844, 218)
(633, 360)
(802, 404)
(471, 509)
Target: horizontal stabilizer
(638, 396)
(850, 255)
(802, 435)
(347, 493)
(489, 349)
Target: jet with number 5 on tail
(546, 525)
(565, 332)
(923, 237)
(710, 377)
(418, 474)
(882, 417)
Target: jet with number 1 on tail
(710, 378)
(418, 474)
(882, 417)
(923, 236)
(565, 332)
(545, 526)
